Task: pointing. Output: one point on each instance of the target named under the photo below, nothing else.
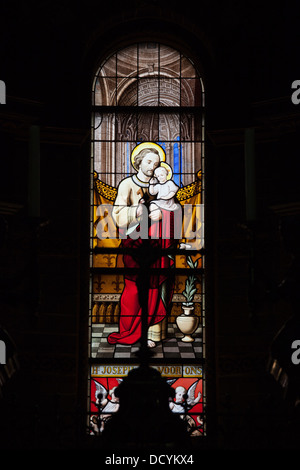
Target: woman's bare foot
(151, 344)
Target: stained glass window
(147, 187)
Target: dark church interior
(248, 52)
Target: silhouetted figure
(144, 420)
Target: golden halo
(168, 168)
(144, 145)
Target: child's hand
(153, 180)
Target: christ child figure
(164, 188)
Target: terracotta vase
(187, 323)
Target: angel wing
(171, 381)
(110, 407)
(191, 401)
(183, 193)
(115, 387)
(100, 389)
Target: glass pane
(148, 127)
(191, 127)
(198, 149)
(127, 62)
(99, 95)
(123, 161)
(187, 158)
(187, 68)
(169, 92)
(104, 127)
(148, 59)
(191, 93)
(169, 127)
(148, 91)
(127, 94)
(169, 62)
(105, 92)
(109, 69)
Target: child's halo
(168, 168)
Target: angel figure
(185, 400)
(105, 406)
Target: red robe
(130, 323)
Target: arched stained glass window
(147, 183)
